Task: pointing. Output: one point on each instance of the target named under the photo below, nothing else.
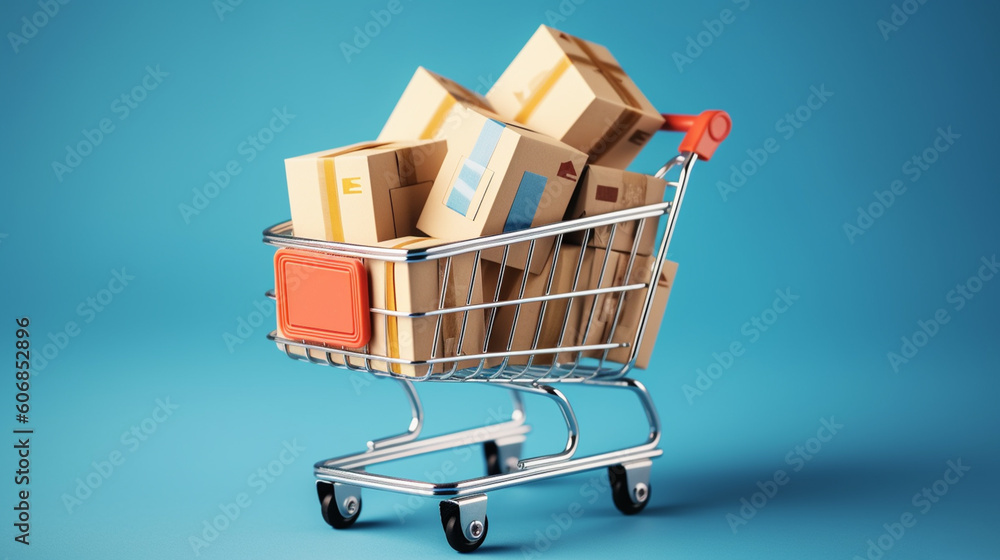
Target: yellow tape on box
(576, 91)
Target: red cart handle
(704, 132)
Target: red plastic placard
(322, 298)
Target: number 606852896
(22, 364)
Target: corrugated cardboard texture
(656, 312)
(488, 164)
(605, 189)
(558, 312)
(416, 288)
(426, 110)
(576, 91)
(346, 194)
(311, 181)
(602, 318)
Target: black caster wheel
(455, 533)
(500, 458)
(492, 453)
(331, 512)
(625, 500)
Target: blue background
(195, 278)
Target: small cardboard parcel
(549, 142)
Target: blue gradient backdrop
(161, 337)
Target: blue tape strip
(463, 189)
(526, 201)
(489, 136)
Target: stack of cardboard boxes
(549, 142)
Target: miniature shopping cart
(534, 368)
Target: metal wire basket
(527, 335)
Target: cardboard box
(606, 189)
(603, 317)
(429, 108)
(557, 312)
(497, 178)
(364, 193)
(576, 91)
(315, 355)
(656, 311)
(416, 288)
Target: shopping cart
(551, 357)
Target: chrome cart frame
(532, 370)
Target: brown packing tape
(632, 113)
(454, 94)
(461, 93)
(620, 126)
(608, 71)
(548, 81)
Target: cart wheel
(454, 532)
(332, 513)
(627, 501)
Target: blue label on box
(526, 201)
(463, 189)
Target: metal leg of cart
(463, 514)
(340, 480)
